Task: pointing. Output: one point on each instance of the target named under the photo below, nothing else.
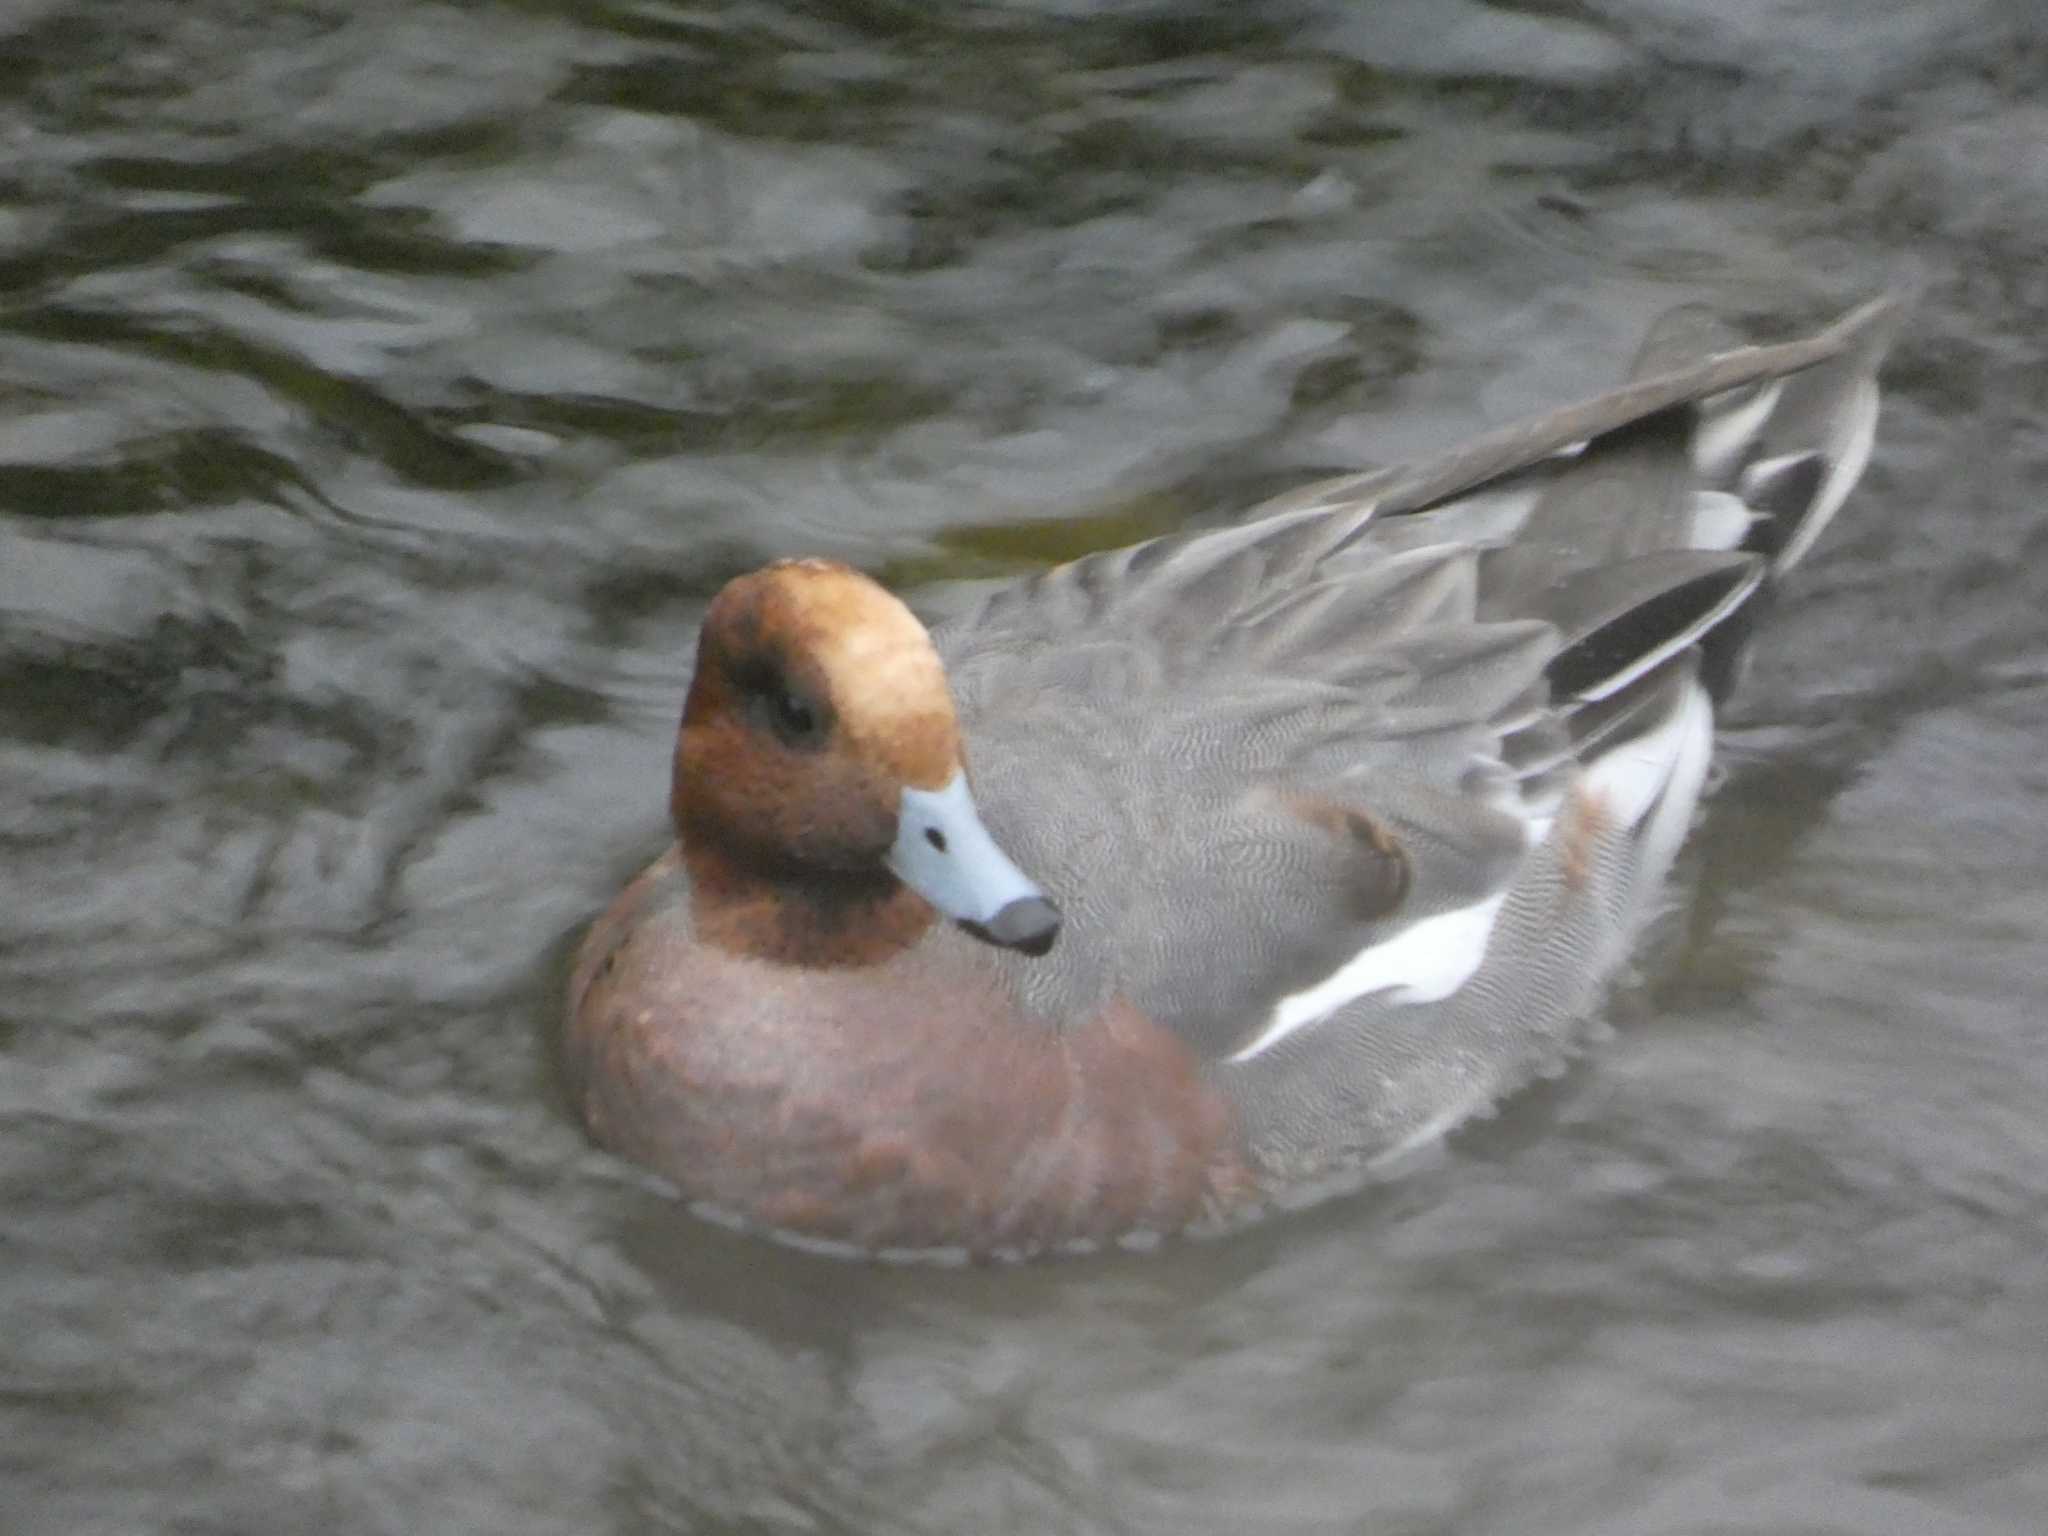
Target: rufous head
(820, 755)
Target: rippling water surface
(385, 386)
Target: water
(386, 386)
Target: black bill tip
(1029, 925)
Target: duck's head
(819, 764)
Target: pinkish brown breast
(906, 1105)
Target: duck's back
(1366, 796)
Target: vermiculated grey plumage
(1239, 757)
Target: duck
(1188, 881)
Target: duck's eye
(795, 718)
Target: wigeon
(1170, 884)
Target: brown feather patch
(1586, 823)
(1380, 872)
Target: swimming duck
(1168, 884)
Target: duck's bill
(945, 854)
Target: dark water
(386, 386)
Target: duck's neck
(812, 918)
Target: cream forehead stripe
(881, 661)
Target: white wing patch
(1719, 521)
(1722, 435)
(1424, 963)
(1848, 453)
(1657, 770)
(1652, 782)
(1494, 784)
(1692, 748)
